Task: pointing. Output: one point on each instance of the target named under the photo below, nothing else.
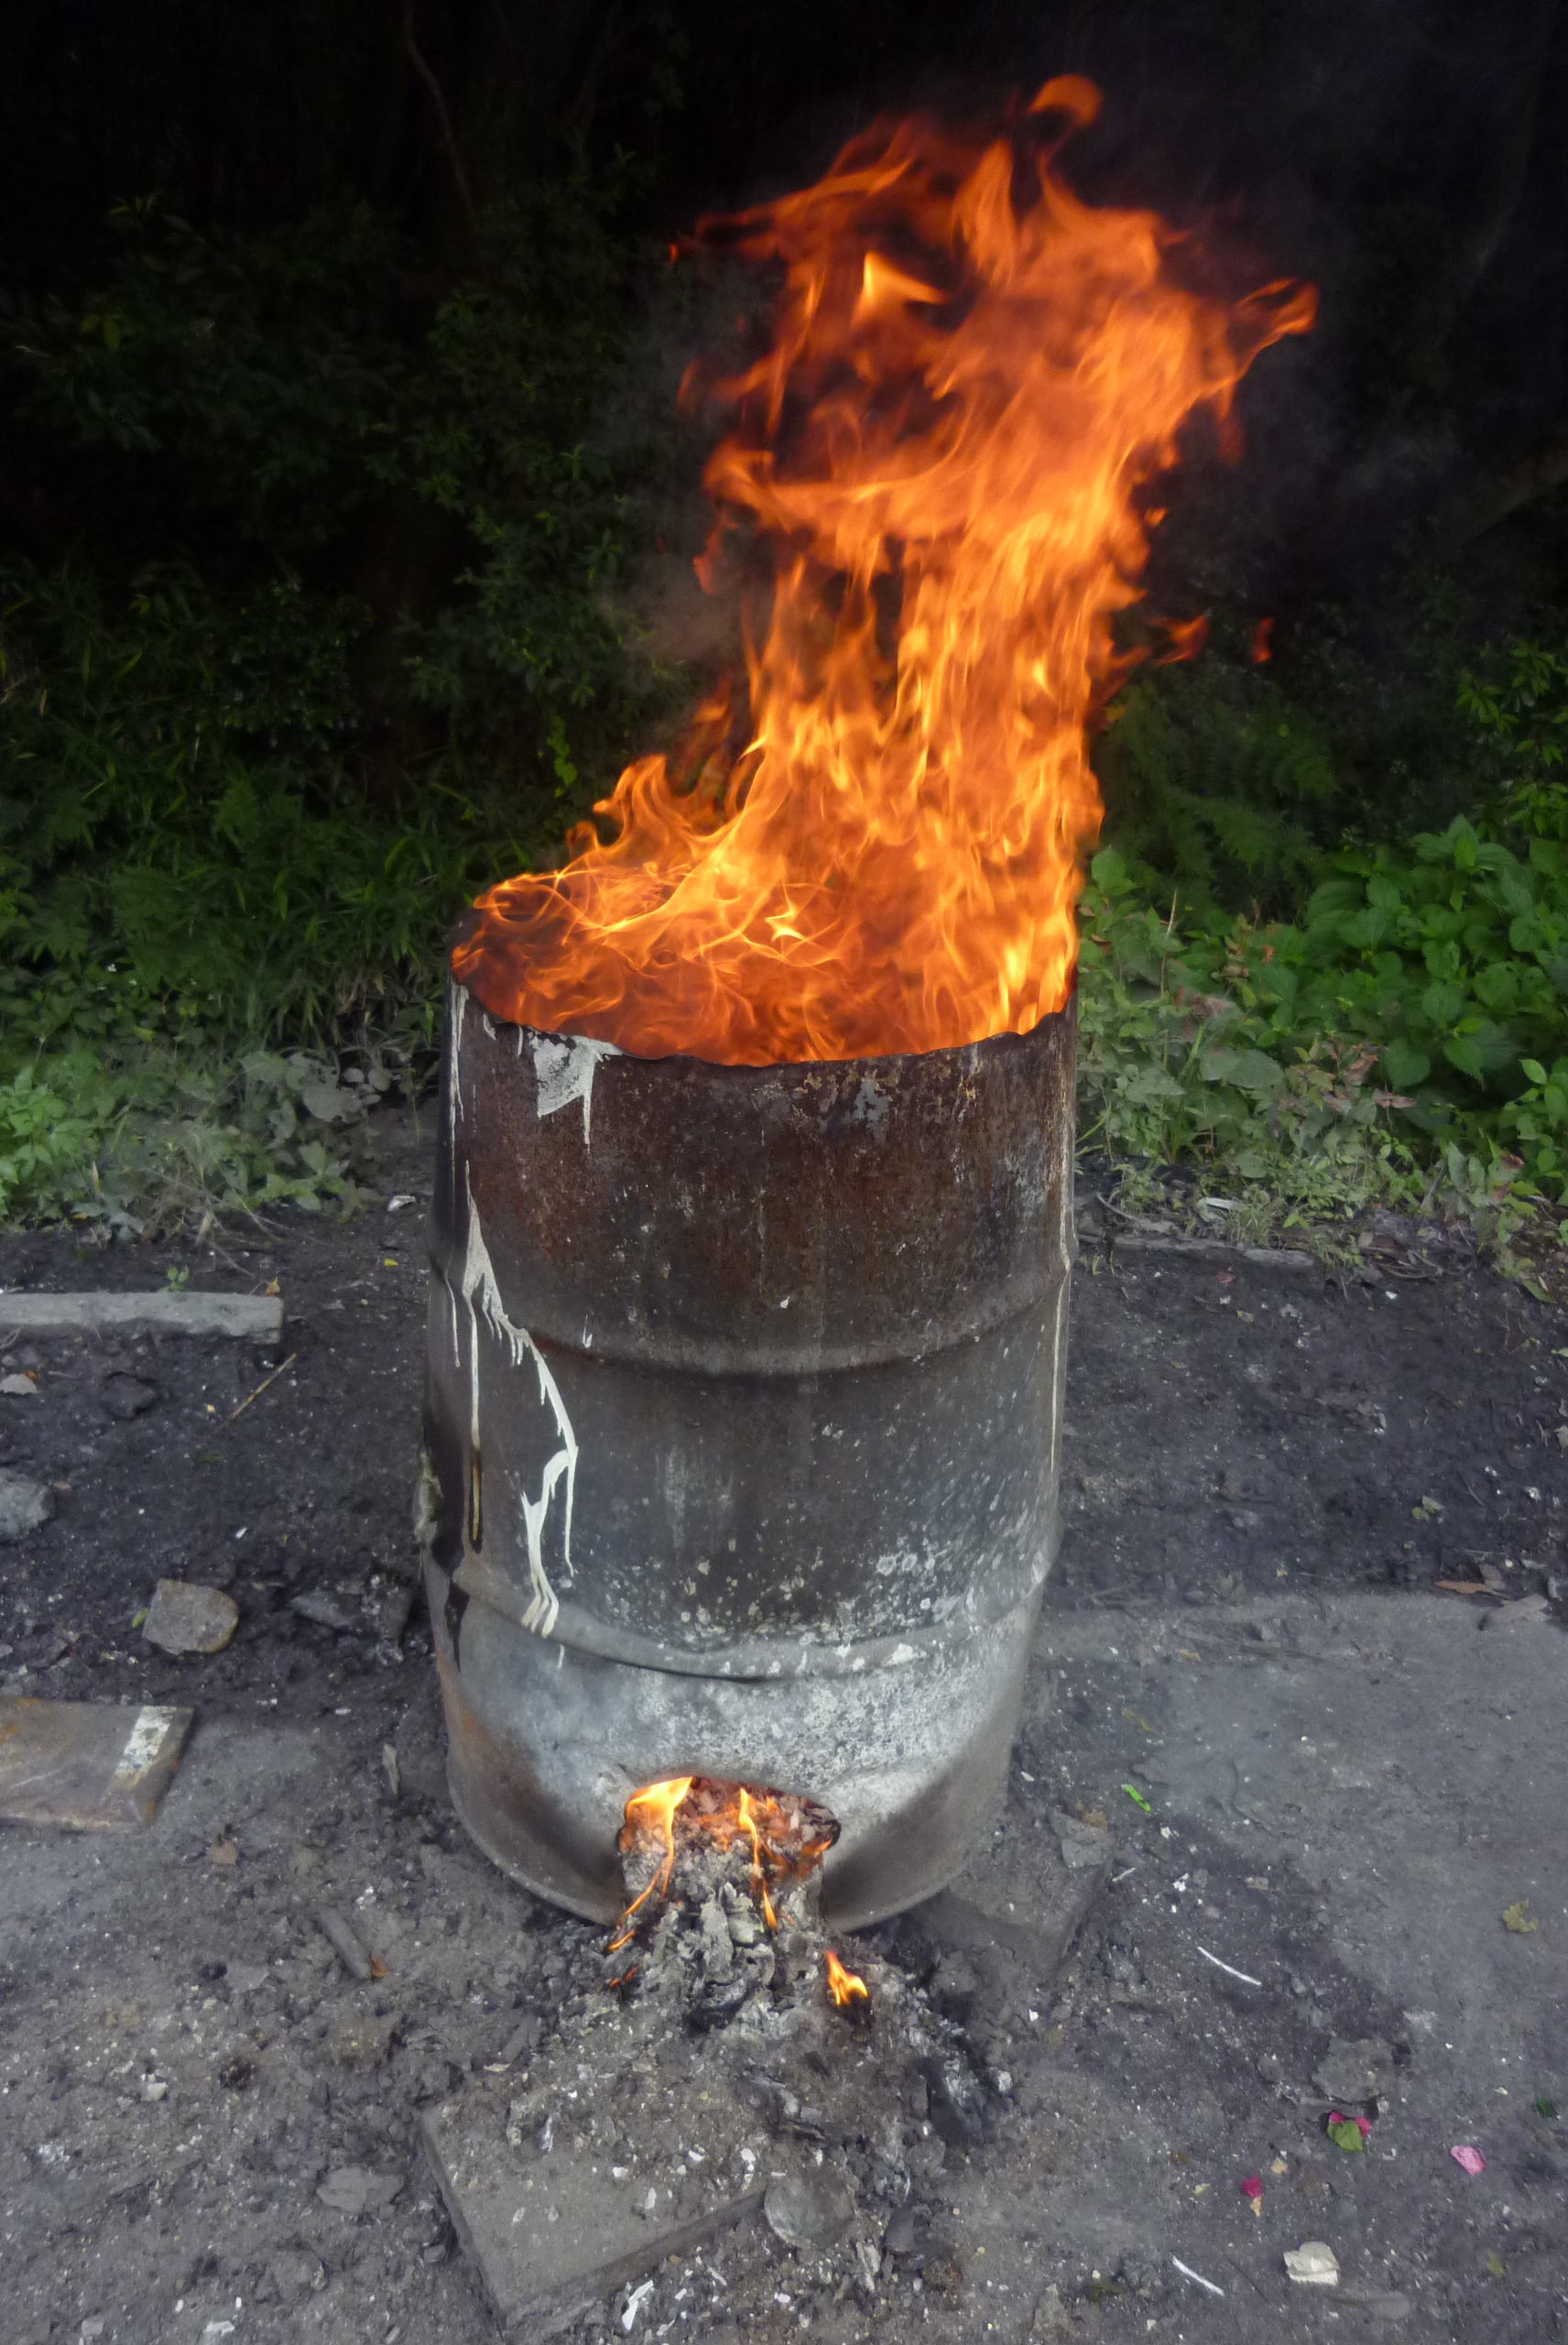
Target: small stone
(22, 1388)
(125, 1396)
(185, 1617)
(326, 1610)
(810, 2211)
(23, 1505)
(1313, 2264)
(1083, 1844)
(362, 2041)
(296, 2272)
(898, 2239)
(1050, 2315)
(355, 2190)
(718, 1948)
(1354, 2071)
(523, 2039)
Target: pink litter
(1253, 2186)
(1471, 2160)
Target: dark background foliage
(344, 518)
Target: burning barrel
(741, 1425)
(751, 1229)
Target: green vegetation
(317, 528)
(244, 793)
(1406, 1032)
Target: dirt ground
(1325, 1778)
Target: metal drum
(742, 1428)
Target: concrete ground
(1327, 1778)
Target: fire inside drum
(742, 1426)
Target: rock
(328, 1611)
(898, 2239)
(1082, 1846)
(185, 1617)
(358, 2191)
(809, 2211)
(1383, 2304)
(23, 1505)
(718, 2001)
(718, 1947)
(1050, 2315)
(523, 2039)
(1313, 2264)
(296, 2273)
(957, 2108)
(1356, 2071)
(125, 1396)
(18, 1388)
(362, 2041)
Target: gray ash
(722, 1884)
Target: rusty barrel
(742, 1422)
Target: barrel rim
(761, 1069)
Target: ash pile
(722, 1921)
(732, 2092)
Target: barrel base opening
(547, 1745)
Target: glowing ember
(684, 1824)
(871, 842)
(844, 1990)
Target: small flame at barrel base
(690, 1838)
(846, 1991)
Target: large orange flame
(875, 845)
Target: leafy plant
(1217, 783)
(1411, 1027)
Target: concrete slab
(90, 1766)
(259, 1317)
(552, 2233)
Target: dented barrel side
(742, 1424)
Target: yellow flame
(843, 1987)
(655, 1804)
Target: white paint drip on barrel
(482, 1294)
(454, 1059)
(564, 1068)
(145, 1739)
